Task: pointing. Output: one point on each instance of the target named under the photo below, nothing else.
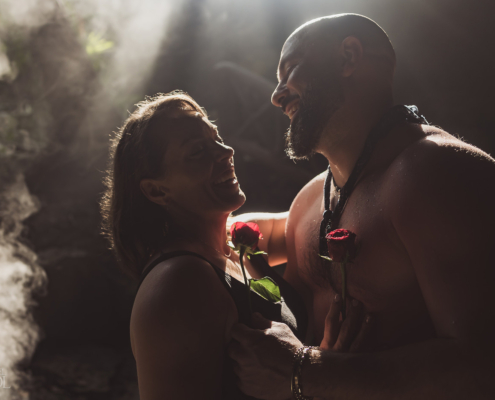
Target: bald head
(328, 68)
(335, 28)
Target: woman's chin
(230, 195)
(242, 200)
(236, 201)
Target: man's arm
(435, 369)
(272, 226)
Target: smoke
(30, 13)
(121, 38)
(20, 278)
(133, 30)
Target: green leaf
(259, 252)
(325, 257)
(96, 44)
(267, 288)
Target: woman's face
(199, 168)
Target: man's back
(413, 165)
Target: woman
(170, 193)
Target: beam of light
(125, 36)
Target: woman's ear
(351, 53)
(154, 190)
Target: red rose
(245, 234)
(341, 245)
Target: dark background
(60, 100)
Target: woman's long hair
(135, 226)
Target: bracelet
(295, 382)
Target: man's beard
(317, 105)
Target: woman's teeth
(229, 177)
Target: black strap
(172, 254)
(331, 219)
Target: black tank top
(290, 310)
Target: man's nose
(280, 93)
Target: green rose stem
(246, 282)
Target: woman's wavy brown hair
(135, 226)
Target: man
(423, 212)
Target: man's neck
(345, 135)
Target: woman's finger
(260, 322)
(350, 327)
(360, 342)
(332, 324)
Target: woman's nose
(279, 94)
(224, 152)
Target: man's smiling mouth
(291, 109)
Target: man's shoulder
(439, 169)
(439, 154)
(311, 193)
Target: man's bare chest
(381, 276)
(381, 271)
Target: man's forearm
(434, 369)
(272, 226)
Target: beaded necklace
(331, 219)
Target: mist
(91, 60)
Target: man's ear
(351, 52)
(154, 191)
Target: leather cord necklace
(331, 219)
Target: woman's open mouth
(226, 180)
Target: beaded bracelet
(295, 383)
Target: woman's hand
(349, 335)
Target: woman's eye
(197, 150)
(220, 140)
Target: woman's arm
(179, 325)
(272, 226)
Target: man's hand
(264, 357)
(350, 335)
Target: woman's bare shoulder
(176, 296)
(179, 324)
